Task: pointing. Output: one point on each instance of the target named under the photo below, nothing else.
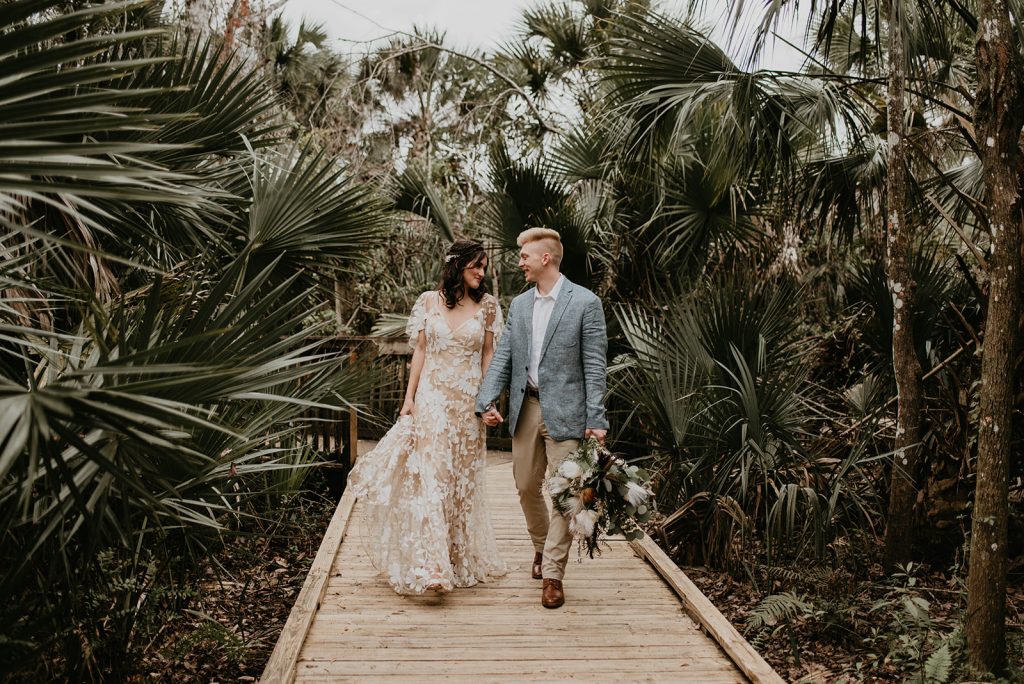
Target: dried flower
(585, 521)
(635, 494)
(557, 485)
(569, 469)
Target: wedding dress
(423, 484)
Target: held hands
(596, 433)
(492, 417)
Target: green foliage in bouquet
(600, 494)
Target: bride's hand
(407, 408)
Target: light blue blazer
(573, 365)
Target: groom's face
(533, 259)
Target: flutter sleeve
(495, 321)
(417, 319)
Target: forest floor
(866, 628)
(839, 625)
(228, 630)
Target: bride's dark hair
(461, 254)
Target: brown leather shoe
(538, 566)
(552, 596)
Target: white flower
(557, 485)
(585, 521)
(635, 494)
(570, 469)
(575, 505)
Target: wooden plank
(521, 609)
(583, 592)
(682, 667)
(486, 621)
(505, 677)
(281, 667)
(471, 653)
(363, 581)
(709, 617)
(608, 623)
(393, 638)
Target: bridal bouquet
(600, 495)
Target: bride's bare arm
(493, 312)
(418, 355)
(488, 353)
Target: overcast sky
(481, 24)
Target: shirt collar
(555, 289)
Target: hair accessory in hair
(450, 257)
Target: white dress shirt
(543, 306)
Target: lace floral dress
(423, 484)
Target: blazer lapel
(528, 321)
(556, 315)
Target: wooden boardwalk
(630, 616)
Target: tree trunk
(906, 366)
(998, 117)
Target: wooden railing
(337, 431)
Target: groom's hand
(597, 434)
(492, 418)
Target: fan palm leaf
(527, 195)
(414, 192)
(301, 212)
(59, 118)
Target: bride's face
(473, 275)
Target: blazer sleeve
(500, 371)
(594, 352)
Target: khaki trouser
(535, 453)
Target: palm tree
(311, 78)
(163, 256)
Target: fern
(776, 608)
(815, 575)
(937, 667)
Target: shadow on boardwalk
(623, 620)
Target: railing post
(353, 436)
(353, 424)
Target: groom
(552, 358)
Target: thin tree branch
(424, 45)
(504, 77)
(963, 236)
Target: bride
(423, 484)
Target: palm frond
(305, 215)
(414, 192)
(564, 31)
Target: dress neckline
(437, 309)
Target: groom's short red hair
(552, 241)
